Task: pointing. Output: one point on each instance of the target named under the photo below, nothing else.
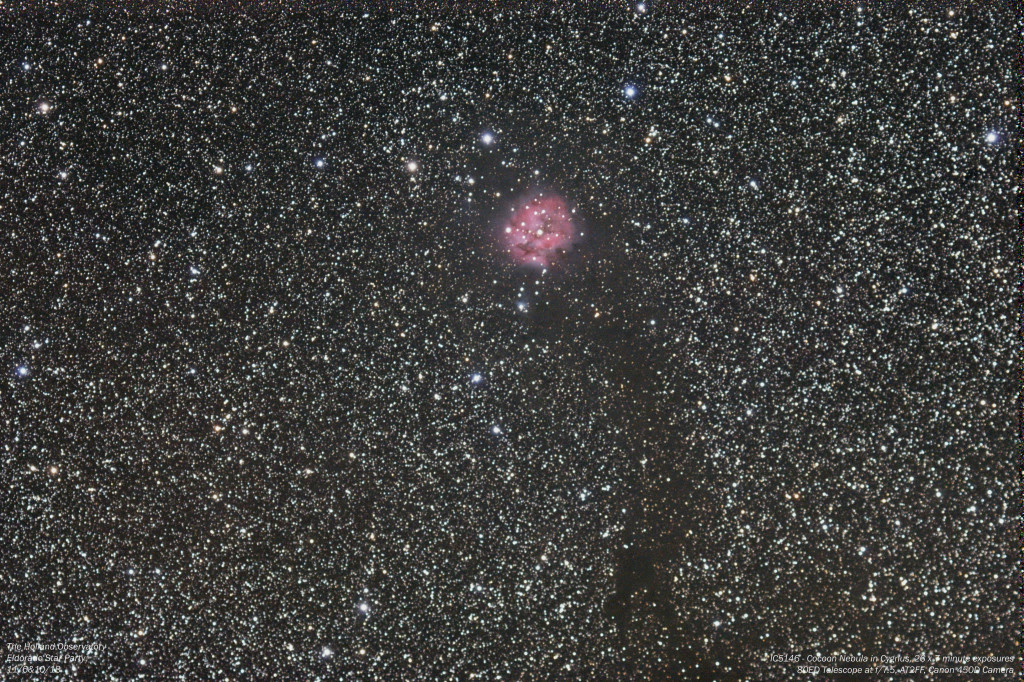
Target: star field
(276, 403)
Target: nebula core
(539, 231)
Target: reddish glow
(540, 230)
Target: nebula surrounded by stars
(540, 230)
(575, 341)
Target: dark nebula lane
(516, 341)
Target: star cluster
(272, 408)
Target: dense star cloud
(280, 399)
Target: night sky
(300, 381)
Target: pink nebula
(540, 230)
